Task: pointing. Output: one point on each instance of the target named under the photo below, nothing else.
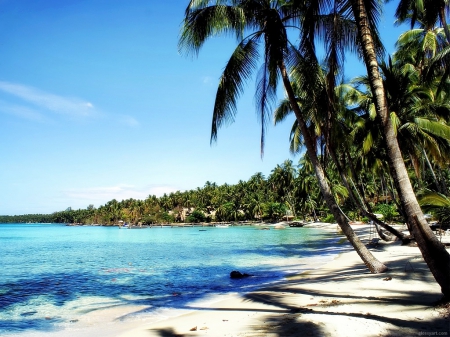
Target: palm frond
(265, 95)
(231, 85)
(433, 200)
(202, 22)
(438, 129)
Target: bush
(388, 211)
(148, 220)
(196, 216)
(329, 218)
(353, 215)
(166, 218)
(273, 211)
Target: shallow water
(53, 274)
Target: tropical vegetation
(373, 144)
(405, 97)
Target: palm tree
(433, 252)
(282, 180)
(438, 204)
(266, 23)
(429, 10)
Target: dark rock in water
(28, 313)
(237, 274)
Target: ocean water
(54, 275)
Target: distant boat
(223, 226)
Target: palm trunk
(362, 206)
(433, 252)
(381, 234)
(369, 260)
(442, 182)
(436, 182)
(444, 23)
(359, 186)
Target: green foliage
(389, 211)
(329, 218)
(167, 218)
(437, 204)
(31, 218)
(149, 220)
(256, 199)
(353, 215)
(274, 211)
(196, 216)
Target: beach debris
(193, 329)
(330, 303)
(204, 328)
(444, 310)
(387, 278)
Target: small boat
(223, 226)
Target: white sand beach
(340, 298)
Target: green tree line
(288, 190)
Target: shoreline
(335, 296)
(107, 316)
(339, 298)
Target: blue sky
(96, 103)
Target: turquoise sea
(53, 275)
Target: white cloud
(35, 105)
(22, 112)
(58, 104)
(101, 195)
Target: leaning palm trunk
(444, 23)
(369, 260)
(362, 206)
(436, 182)
(381, 234)
(433, 252)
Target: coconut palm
(337, 124)
(282, 181)
(430, 11)
(433, 252)
(266, 24)
(437, 203)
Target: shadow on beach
(346, 302)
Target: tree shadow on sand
(300, 310)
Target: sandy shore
(340, 299)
